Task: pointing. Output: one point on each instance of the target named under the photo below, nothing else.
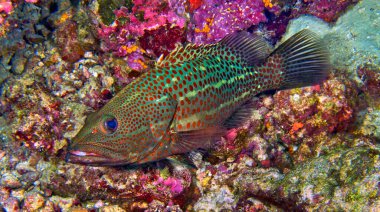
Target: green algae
(106, 8)
(344, 179)
(368, 123)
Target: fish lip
(91, 159)
(83, 157)
(85, 160)
(83, 154)
(94, 160)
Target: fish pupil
(111, 124)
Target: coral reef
(305, 116)
(213, 20)
(143, 19)
(352, 41)
(121, 185)
(313, 148)
(40, 89)
(345, 179)
(162, 40)
(328, 10)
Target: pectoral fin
(241, 115)
(187, 141)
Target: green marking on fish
(193, 96)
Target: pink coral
(67, 41)
(163, 40)
(6, 7)
(231, 134)
(174, 185)
(120, 38)
(153, 14)
(215, 19)
(328, 10)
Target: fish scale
(193, 96)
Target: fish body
(193, 96)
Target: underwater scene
(189, 105)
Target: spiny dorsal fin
(253, 49)
(182, 54)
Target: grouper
(193, 96)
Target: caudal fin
(305, 60)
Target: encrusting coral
(312, 148)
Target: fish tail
(302, 60)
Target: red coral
(43, 127)
(328, 10)
(195, 4)
(67, 42)
(371, 82)
(163, 39)
(313, 110)
(139, 185)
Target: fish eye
(110, 124)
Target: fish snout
(81, 154)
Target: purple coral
(120, 38)
(215, 19)
(328, 10)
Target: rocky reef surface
(312, 148)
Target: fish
(193, 96)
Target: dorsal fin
(253, 49)
(182, 54)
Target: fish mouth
(85, 158)
(82, 154)
(91, 158)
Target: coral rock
(10, 180)
(33, 201)
(319, 182)
(216, 19)
(11, 204)
(163, 39)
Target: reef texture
(313, 148)
(213, 20)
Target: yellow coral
(64, 17)
(206, 28)
(132, 48)
(206, 181)
(268, 3)
(141, 63)
(4, 28)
